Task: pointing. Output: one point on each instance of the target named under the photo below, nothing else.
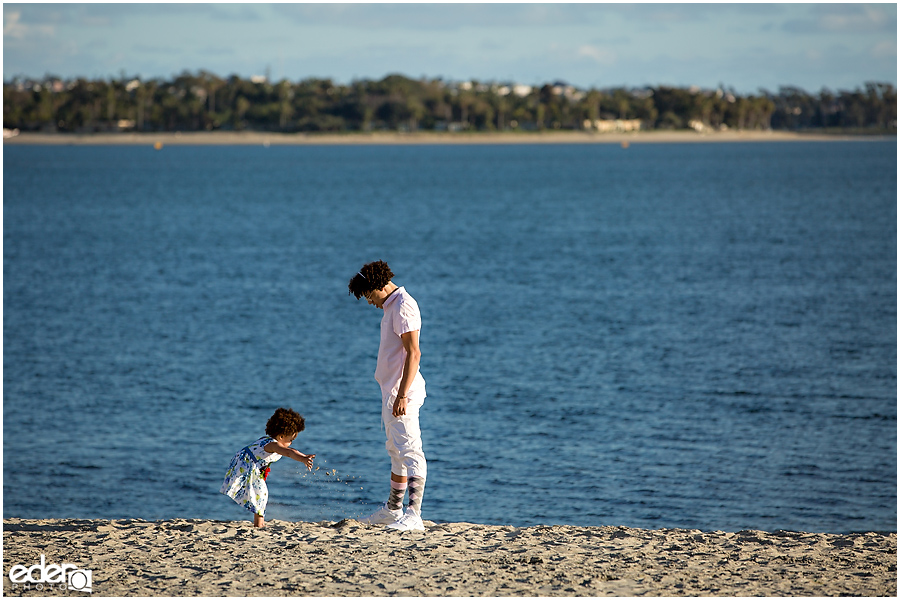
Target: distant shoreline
(256, 138)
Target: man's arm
(410, 341)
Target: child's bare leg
(258, 521)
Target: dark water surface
(661, 336)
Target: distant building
(701, 127)
(613, 125)
(697, 126)
(521, 90)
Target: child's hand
(308, 461)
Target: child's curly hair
(284, 422)
(373, 276)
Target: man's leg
(393, 508)
(398, 489)
(408, 441)
(411, 456)
(416, 491)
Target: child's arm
(277, 448)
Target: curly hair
(285, 422)
(373, 276)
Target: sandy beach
(390, 138)
(230, 558)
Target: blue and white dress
(245, 481)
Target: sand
(389, 138)
(230, 558)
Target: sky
(747, 47)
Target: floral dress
(245, 481)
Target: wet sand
(230, 558)
(388, 138)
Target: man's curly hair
(373, 276)
(284, 422)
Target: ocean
(665, 335)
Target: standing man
(402, 393)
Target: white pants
(404, 438)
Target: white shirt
(401, 315)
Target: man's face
(376, 298)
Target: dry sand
(388, 138)
(230, 558)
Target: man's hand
(399, 406)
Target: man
(402, 393)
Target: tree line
(205, 102)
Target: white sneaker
(410, 521)
(383, 516)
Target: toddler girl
(245, 482)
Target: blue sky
(745, 46)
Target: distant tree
(204, 101)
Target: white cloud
(14, 29)
(842, 18)
(886, 49)
(11, 26)
(870, 19)
(599, 55)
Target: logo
(60, 577)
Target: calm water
(660, 336)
